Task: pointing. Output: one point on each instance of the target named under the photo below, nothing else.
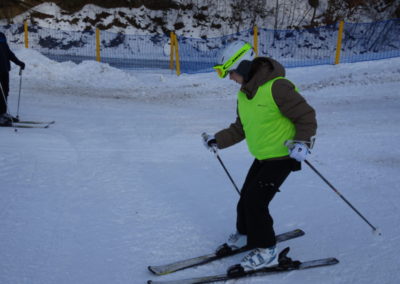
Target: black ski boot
(5, 120)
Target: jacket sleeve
(231, 135)
(295, 107)
(13, 58)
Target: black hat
(243, 69)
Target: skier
(270, 112)
(6, 55)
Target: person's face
(236, 77)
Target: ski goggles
(223, 70)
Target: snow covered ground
(122, 180)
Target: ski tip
(334, 260)
(153, 270)
(150, 268)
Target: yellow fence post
(255, 40)
(26, 34)
(339, 42)
(172, 50)
(178, 65)
(98, 58)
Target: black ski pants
(5, 81)
(262, 183)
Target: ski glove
(22, 65)
(299, 152)
(209, 142)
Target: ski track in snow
(122, 181)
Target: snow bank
(88, 74)
(97, 78)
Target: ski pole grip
(205, 136)
(20, 71)
(289, 144)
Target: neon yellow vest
(265, 128)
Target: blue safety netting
(135, 51)
(14, 34)
(364, 42)
(200, 55)
(293, 48)
(59, 45)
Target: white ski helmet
(232, 55)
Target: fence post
(339, 42)
(255, 40)
(26, 38)
(178, 65)
(172, 50)
(98, 58)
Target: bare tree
(314, 4)
(256, 10)
(10, 8)
(380, 9)
(276, 14)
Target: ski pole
(4, 97)
(5, 102)
(375, 230)
(215, 151)
(19, 93)
(225, 169)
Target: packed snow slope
(122, 180)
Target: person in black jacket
(6, 55)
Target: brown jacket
(290, 103)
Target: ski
(32, 124)
(222, 253)
(235, 272)
(35, 122)
(15, 125)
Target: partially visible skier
(6, 55)
(278, 126)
